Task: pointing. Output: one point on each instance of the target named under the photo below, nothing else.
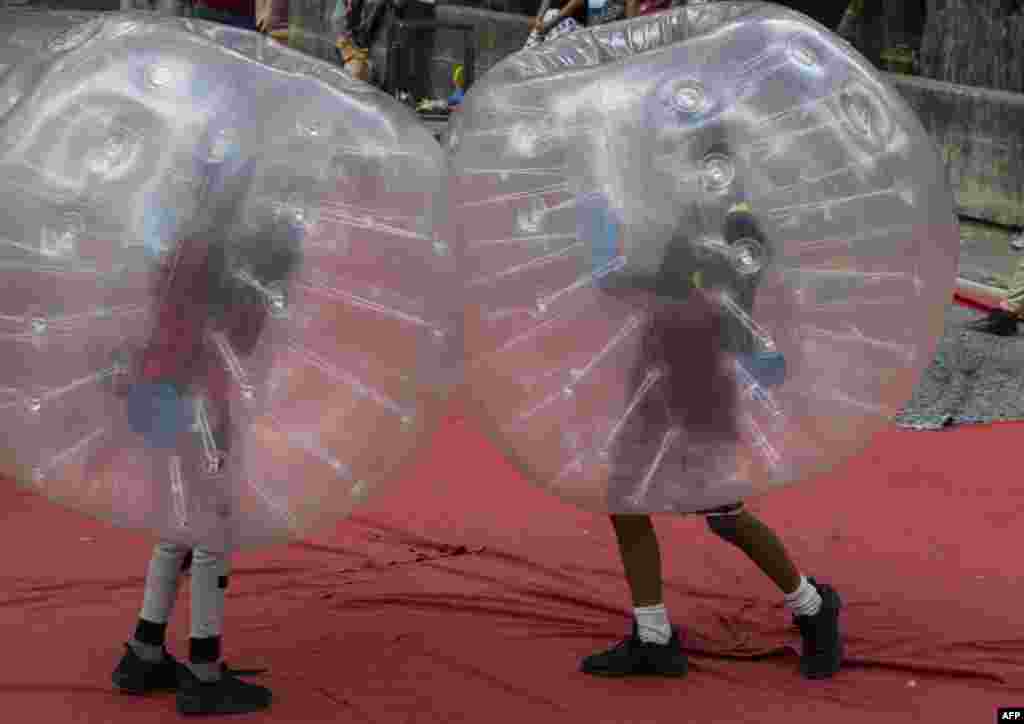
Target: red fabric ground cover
(464, 595)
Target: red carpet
(465, 596)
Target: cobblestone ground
(975, 378)
(986, 255)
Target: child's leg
(641, 557)
(146, 666)
(209, 584)
(815, 606)
(206, 687)
(641, 554)
(641, 561)
(162, 581)
(738, 526)
(653, 648)
(759, 542)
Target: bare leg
(641, 554)
(654, 647)
(641, 557)
(822, 654)
(761, 545)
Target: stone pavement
(987, 255)
(974, 378)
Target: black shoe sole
(819, 675)
(142, 691)
(195, 707)
(196, 699)
(222, 703)
(646, 675)
(132, 691)
(125, 686)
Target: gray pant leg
(209, 584)
(162, 582)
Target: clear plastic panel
(708, 253)
(227, 313)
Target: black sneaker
(135, 676)
(823, 645)
(999, 322)
(228, 695)
(633, 657)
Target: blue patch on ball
(768, 368)
(158, 413)
(598, 225)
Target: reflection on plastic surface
(708, 253)
(223, 314)
(25, 31)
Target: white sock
(652, 624)
(805, 600)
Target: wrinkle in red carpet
(463, 595)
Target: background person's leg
(224, 17)
(417, 59)
(1015, 295)
(1005, 320)
(271, 16)
(826, 12)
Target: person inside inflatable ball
(716, 246)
